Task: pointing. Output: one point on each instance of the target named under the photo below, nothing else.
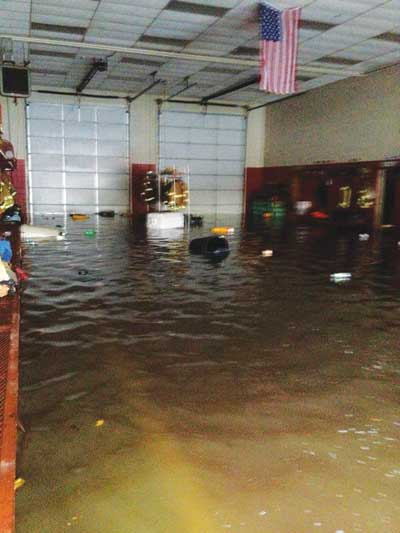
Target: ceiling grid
(337, 38)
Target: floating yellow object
(79, 216)
(267, 215)
(99, 423)
(18, 483)
(222, 230)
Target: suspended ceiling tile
(15, 6)
(172, 25)
(156, 4)
(62, 21)
(200, 20)
(122, 19)
(90, 5)
(206, 48)
(219, 3)
(106, 26)
(115, 41)
(181, 33)
(57, 36)
(128, 11)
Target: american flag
(278, 49)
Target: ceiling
(338, 39)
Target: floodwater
(162, 392)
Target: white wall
(354, 119)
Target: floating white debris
(363, 236)
(342, 431)
(267, 253)
(339, 277)
(262, 513)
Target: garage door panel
(178, 119)
(231, 122)
(179, 164)
(234, 168)
(212, 146)
(47, 162)
(112, 148)
(46, 145)
(173, 134)
(113, 197)
(231, 137)
(48, 179)
(112, 116)
(46, 111)
(80, 180)
(202, 151)
(229, 209)
(46, 128)
(174, 150)
(201, 182)
(232, 153)
(229, 197)
(202, 136)
(113, 181)
(48, 196)
(80, 147)
(112, 132)
(75, 113)
(106, 164)
(80, 163)
(86, 163)
(230, 183)
(75, 197)
(203, 197)
(79, 130)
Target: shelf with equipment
(166, 195)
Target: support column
(143, 146)
(255, 154)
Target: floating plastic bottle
(338, 277)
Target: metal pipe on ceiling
(144, 91)
(81, 95)
(232, 88)
(98, 66)
(251, 63)
(186, 88)
(198, 102)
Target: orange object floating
(267, 215)
(79, 216)
(222, 230)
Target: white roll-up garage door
(78, 158)
(213, 147)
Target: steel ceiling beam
(232, 88)
(170, 55)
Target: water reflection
(250, 395)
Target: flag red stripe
(278, 59)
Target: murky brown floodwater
(251, 395)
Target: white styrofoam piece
(165, 220)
